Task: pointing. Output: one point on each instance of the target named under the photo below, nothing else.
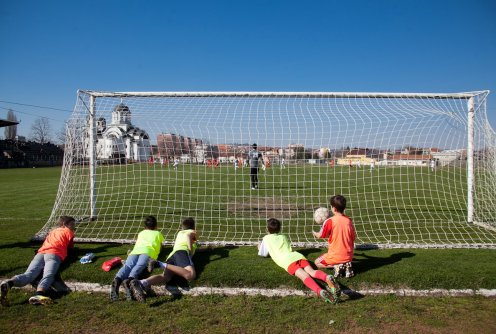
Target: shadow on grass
(366, 262)
(207, 255)
(201, 259)
(308, 251)
(24, 244)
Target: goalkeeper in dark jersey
(253, 158)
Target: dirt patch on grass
(263, 207)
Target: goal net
(418, 170)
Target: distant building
(121, 139)
(446, 157)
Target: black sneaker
(127, 289)
(4, 290)
(114, 290)
(151, 265)
(137, 291)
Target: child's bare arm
(191, 240)
(317, 234)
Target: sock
(319, 274)
(144, 283)
(41, 293)
(309, 282)
(162, 265)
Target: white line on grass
(199, 291)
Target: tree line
(41, 130)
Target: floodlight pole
(92, 153)
(470, 161)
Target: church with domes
(121, 140)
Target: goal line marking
(200, 291)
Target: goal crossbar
(418, 169)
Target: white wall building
(447, 156)
(121, 139)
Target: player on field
(47, 261)
(341, 232)
(254, 158)
(179, 262)
(147, 246)
(277, 245)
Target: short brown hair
(66, 220)
(273, 225)
(151, 222)
(188, 223)
(338, 202)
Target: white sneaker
(40, 300)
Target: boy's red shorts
(321, 260)
(293, 267)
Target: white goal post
(417, 169)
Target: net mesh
(399, 159)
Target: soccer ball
(320, 215)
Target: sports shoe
(114, 290)
(4, 290)
(327, 297)
(137, 290)
(127, 288)
(151, 265)
(333, 286)
(109, 264)
(338, 269)
(40, 300)
(348, 270)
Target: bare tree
(11, 131)
(61, 135)
(40, 130)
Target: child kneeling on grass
(148, 246)
(47, 260)
(278, 247)
(341, 232)
(179, 262)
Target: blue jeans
(48, 263)
(133, 267)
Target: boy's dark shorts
(181, 259)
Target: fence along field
(403, 192)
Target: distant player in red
(331, 163)
(216, 163)
(341, 232)
(166, 162)
(209, 163)
(150, 161)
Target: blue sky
(50, 49)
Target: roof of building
(4, 122)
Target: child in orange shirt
(47, 260)
(341, 232)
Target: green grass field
(27, 196)
(391, 205)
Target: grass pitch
(27, 197)
(388, 205)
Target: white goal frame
(475, 101)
